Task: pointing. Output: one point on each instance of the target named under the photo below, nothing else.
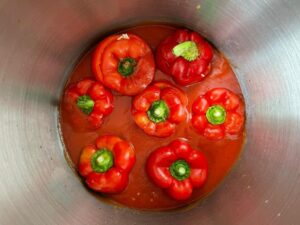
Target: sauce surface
(141, 193)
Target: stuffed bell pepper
(178, 169)
(186, 56)
(107, 164)
(159, 108)
(87, 102)
(124, 63)
(218, 113)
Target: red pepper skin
(184, 72)
(107, 56)
(160, 161)
(230, 102)
(175, 99)
(116, 178)
(103, 104)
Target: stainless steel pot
(41, 40)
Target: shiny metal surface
(41, 40)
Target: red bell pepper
(159, 108)
(124, 63)
(106, 165)
(185, 56)
(178, 169)
(217, 114)
(88, 101)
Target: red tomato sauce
(141, 193)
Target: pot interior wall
(40, 41)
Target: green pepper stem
(188, 50)
(158, 112)
(126, 66)
(102, 160)
(85, 103)
(216, 115)
(180, 170)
